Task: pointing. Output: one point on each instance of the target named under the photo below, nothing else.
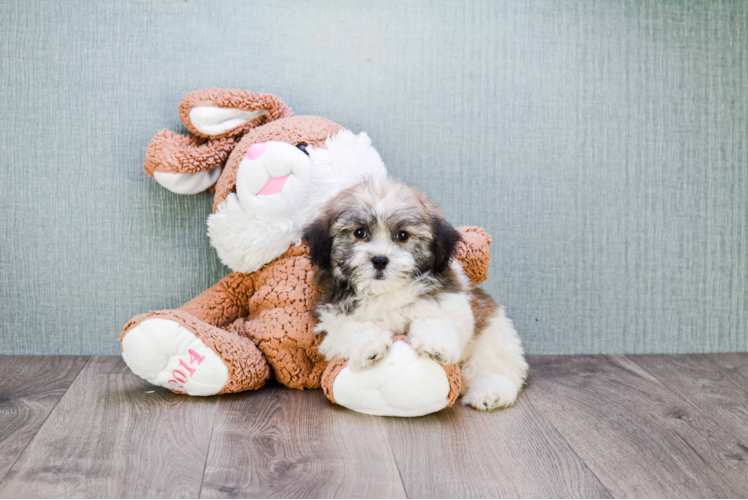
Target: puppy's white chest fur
(396, 312)
(443, 324)
(388, 312)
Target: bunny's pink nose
(256, 150)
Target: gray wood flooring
(586, 426)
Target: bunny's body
(257, 322)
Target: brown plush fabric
(233, 99)
(261, 322)
(281, 323)
(455, 377)
(247, 367)
(308, 130)
(183, 153)
(474, 252)
(330, 374)
(224, 302)
(269, 309)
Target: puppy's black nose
(380, 262)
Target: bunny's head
(271, 170)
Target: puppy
(382, 256)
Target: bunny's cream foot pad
(402, 384)
(167, 354)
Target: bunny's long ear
(229, 113)
(191, 164)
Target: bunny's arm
(474, 253)
(224, 302)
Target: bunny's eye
(302, 147)
(360, 233)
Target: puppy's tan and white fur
(383, 264)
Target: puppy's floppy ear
(318, 237)
(445, 242)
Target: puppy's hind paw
(491, 393)
(369, 352)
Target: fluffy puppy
(382, 255)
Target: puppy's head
(379, 235)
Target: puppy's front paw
(442, 350)
(368, 352)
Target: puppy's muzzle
(379, 262)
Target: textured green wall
(603, 144)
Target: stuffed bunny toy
(271, 172)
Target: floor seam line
(631, 357)
(685, 401)
(45, 421)
(571, 447)
(394, 458)
(210, 442)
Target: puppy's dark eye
(402, 236)
(360, 233)
(302, 147)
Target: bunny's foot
(175, 350)
(402, 384)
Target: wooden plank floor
(586, 426)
